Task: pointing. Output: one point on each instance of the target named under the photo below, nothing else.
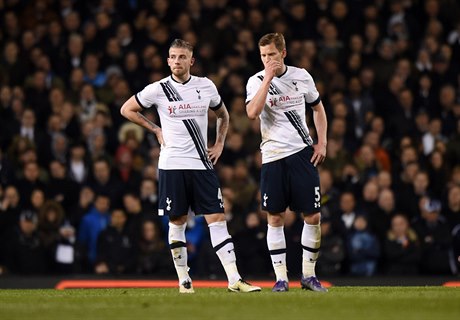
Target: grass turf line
(211, 303)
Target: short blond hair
(179, 43)
(276, 38)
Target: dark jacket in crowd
(402, 256)
(25, 254)
(436, 246)
(116, 249)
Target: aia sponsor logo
(274, 102)
(186, 110)
(172, 110)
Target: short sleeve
(215, 99)
(147, 96)
(251, 88)
(312, 97)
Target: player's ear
(192, 61)
(283, 53)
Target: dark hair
(276, 38)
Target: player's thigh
(305, 193)
(207, 195)
(173, 194)
(273, 186)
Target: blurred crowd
(78, 184)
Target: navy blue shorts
(291, 182)
(180, 190)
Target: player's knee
(215, 217)
(178, 220)
(275, 220)
(314, 218)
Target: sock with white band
(222, 243)
(311, 241)
(178, 246)
(277, 248)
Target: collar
(285, 71)
(185, 82)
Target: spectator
(10, 209)
(452, 208)
(361, 106)
(345, 217)
(149, 195)
(438, 173)
(433, 135)
(92, 224)
(369, 201)
(69, 122)
(115, 248)
(254, 259)
(14, 67)
(28, 129)
(6, 170)
(135, 213)
(435, 238)
(329, 193)
(88, 103)
(37, 199)
(380, 220)
(103, 181)
(50, 219)
(30, 181)
(382, 157)
(409, 202)
(124, 164)
(25, 253)
(153, 253)
(402, 248)
(93, 75)
(363, 249)
(85, 201)
(333, 250)
(61, 188)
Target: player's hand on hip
(215, 151)
(319, 154)
(159, 133)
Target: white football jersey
(283, 119)
(183, 111)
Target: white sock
(223, 244)
(178, 246)
(311, 241)
(277, 248)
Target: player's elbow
(251, 114)
(252, 117)
(124, 110)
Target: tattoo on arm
(222, 123)
(153, 125)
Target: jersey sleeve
(251, 88)
(215, 101)
(312, 97)
(147, 96)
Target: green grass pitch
(339, 303)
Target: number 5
(317, 194)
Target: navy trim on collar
(185, 82)
(283, 72)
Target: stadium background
(388, 74)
